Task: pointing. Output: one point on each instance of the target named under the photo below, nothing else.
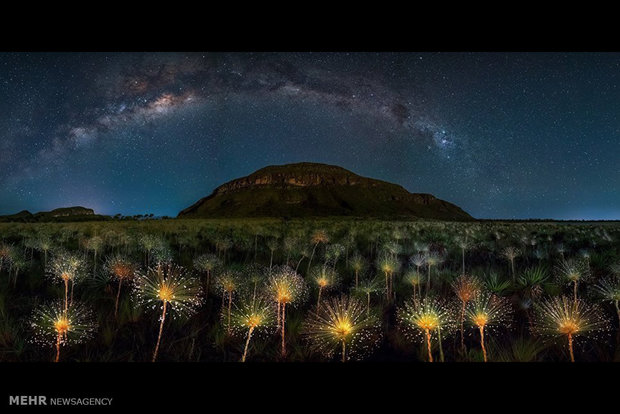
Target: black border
(310, 386)
(315, 27)
(320, 387)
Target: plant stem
(618, 312)
(191, 349)
(229, 309)
(344, 351)
(311, 256)
(298, 263)
(462, 328)
(161, 328)
(66, 294)
(118, 295)
(575, 292)
(71, 298)
(428, 345)
(570, 347)
(387, 287)
(428, 281)
(484, 350)
(57, 347)
(441, 357)
(283, 321)
(208, 283)
(247, 342)
(271, 261)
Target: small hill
(318, 190)
(22, 215)
(57, 215)
(69, 211)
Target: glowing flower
(253, 315)
(485, 311)
(285, 287)
(228, 283)
(170, 287)
(64, 268)
(510, 253)
(206, 263)
(431, 259)
(560, 316)
(367, 287)
(325, 278)
(358, 264)
(424, 318)
(608, 290)
(54, 325)
(123, 270)
(342, 323)
(414, 279)
(466, 288)
(319, 236)
(388, 265)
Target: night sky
(502, 135)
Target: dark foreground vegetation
(309, 290)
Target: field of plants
(309, 290)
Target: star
(119, 130)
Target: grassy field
(328, 289)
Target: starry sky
(502, 135)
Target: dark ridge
(318, 190)
(76, 213)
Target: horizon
(504, 136)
